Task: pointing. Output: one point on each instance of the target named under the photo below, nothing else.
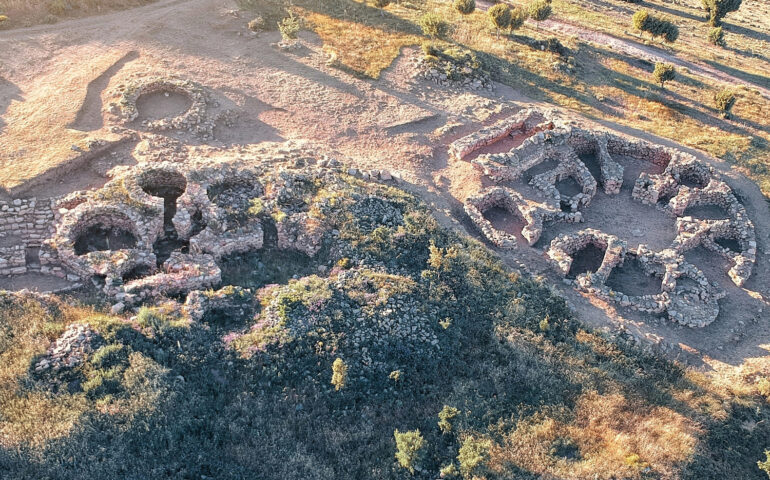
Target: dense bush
(409, 447)
(663, 73)
(717, 36)
(465, 6)
(500, 16)
(433, 25)
(718, 9)
(724, 101)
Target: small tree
(381, 4)
(518, 16)
(641, 20)
(445, 416)
(539, 10)
(718, 9)
(339, 374)
(289, 27)
(465, 7)
(724, 101)
(408, 448)
(500, 16)
(717, 36)
(433, 25)
(663, 73)
(765, 466)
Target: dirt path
(639, 50)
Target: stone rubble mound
(69, 350)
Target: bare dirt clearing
(58, 82)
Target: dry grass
(606, 85)
(25, 13)
(31, 417)
(358, 47)
(614, 435)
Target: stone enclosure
(563, 167)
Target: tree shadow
(89, 116)
(672, 11)
(763, 80)
(732, 27)
(10, 92)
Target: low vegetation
(412, 350)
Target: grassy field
(25, 13)
(424, 320)
(602, 84)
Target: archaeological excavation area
(617, 219)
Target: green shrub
(718, 9)
(518, 16)
(539, 10)
(3, 19)
(339, 374)
(445, 416)
(433, 25)
(256, 24)
(500, 16)
(289, 27)
(409, 446)
(544, 325)
(724, 101)
(717, 36)
(663, 73)
(465, 6)
(472, 455)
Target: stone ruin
(196, 119)
(159, 230)
(24, 225)
(555, 151)
(685, 295)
